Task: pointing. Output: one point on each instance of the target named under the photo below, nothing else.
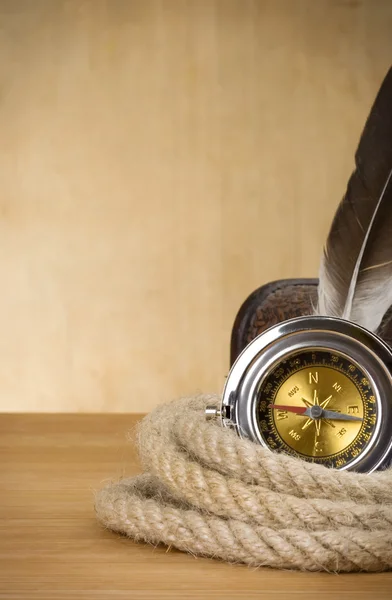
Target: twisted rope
(209, 493)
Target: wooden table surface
(52, 548)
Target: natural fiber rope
(207, 492)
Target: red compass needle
(300, 410)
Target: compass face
(319, 405)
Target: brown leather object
(278, 301)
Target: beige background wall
(159, 160)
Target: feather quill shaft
(354, 279)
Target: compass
(317, 388)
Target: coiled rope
(209, 493)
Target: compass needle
(330, 414)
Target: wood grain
(159, 160)
(52, 548)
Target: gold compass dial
(319, 405)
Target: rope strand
(209, 493)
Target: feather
(355, 279)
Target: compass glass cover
(319, 405)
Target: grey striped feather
(355, 279)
